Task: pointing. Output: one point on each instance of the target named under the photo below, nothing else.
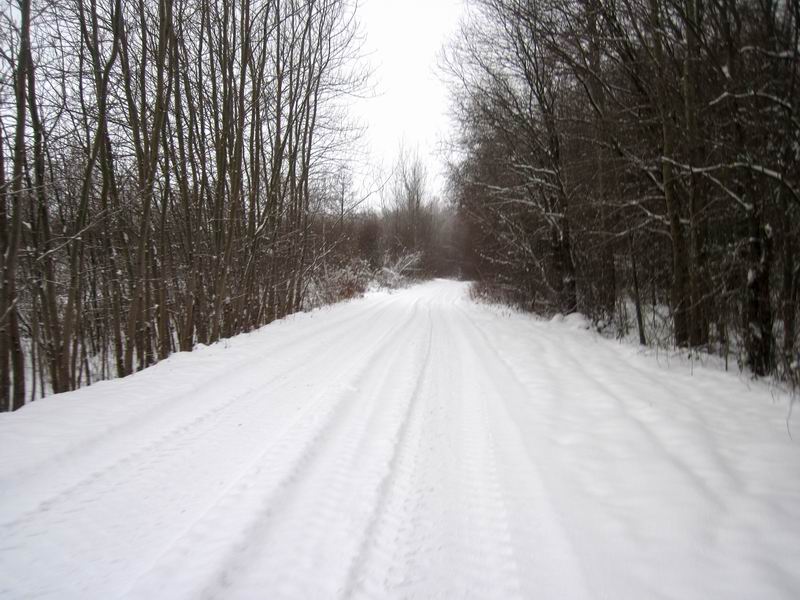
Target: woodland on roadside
(637, 161)
(176, 172)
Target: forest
(177, 172)
(637, 161)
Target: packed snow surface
(405, 445)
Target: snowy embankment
(409, 445)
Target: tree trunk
(680, 263)
(758, 336)
(10, 343)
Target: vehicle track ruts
(267, 484)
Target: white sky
(403, 41)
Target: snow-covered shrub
(398, 272)
(332, 285)
(498, 293)
(572, 321)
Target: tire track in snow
(405, 444)
(329, 523)
(157, 465)
(267, 486)
(173, 407)
(442, 528)
(543, 543)
(574, 367)
(193, 393)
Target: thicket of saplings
(166, 176)
(637, 161)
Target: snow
(413, 445)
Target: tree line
(163, 169)
(409, 235)
(637, 157)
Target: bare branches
(168, 173)
(651, 144)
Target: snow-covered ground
(410, 445)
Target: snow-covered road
(405, 445)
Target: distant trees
(415, 222)
(638, 150)
(412, 231)
(162, 163)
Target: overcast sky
(403, 40)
